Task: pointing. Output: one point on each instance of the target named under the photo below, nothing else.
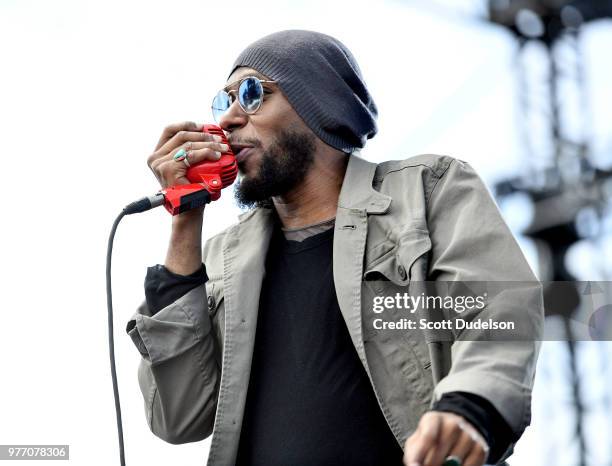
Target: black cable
(111, 341)
(141, 205)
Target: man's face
(274, 148)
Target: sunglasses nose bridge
(234, 117)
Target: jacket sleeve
(178, 373)
(471, 242)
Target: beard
(283, 166)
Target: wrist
(189, 219)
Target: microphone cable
(141, 205)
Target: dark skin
(314, 200)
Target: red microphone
(207, 180)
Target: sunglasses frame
(237, 98)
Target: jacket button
(402, 272)
(211, 303)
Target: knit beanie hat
(321, 80)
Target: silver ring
(453, 460)
(186, 159)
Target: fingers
(424, 439)
(200, 155)
(183, 136)
(440, 435)
(462, 447)
(170, 171)
(476, 458)
(450, 432)
(470, 446)
(215, 146)
(197, 145)
(171, 130)
(194, 152)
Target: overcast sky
(85, 91)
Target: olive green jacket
(424, 218)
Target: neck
(316, 198)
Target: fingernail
(218, 154)
(217, 138)
(224, 147)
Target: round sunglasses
(249, 93)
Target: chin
(249, 166)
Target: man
(262, 339)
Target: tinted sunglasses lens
(250, 94)
(220, 104)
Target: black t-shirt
(309, 399)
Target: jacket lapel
(244, 253)
(357, 200)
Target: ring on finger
(452, 460)
(180, 155)
(186, 159)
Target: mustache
(244, 142)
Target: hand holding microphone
(196, 147)
(192, 166)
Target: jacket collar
(357, 191)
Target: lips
(244, 153)
(241, 151)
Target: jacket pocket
(396, 260)
(215, 304)
(214, 296)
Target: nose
(234, 118)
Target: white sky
(86, 89)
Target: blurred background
(521, 89)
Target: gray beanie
(321, 80)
